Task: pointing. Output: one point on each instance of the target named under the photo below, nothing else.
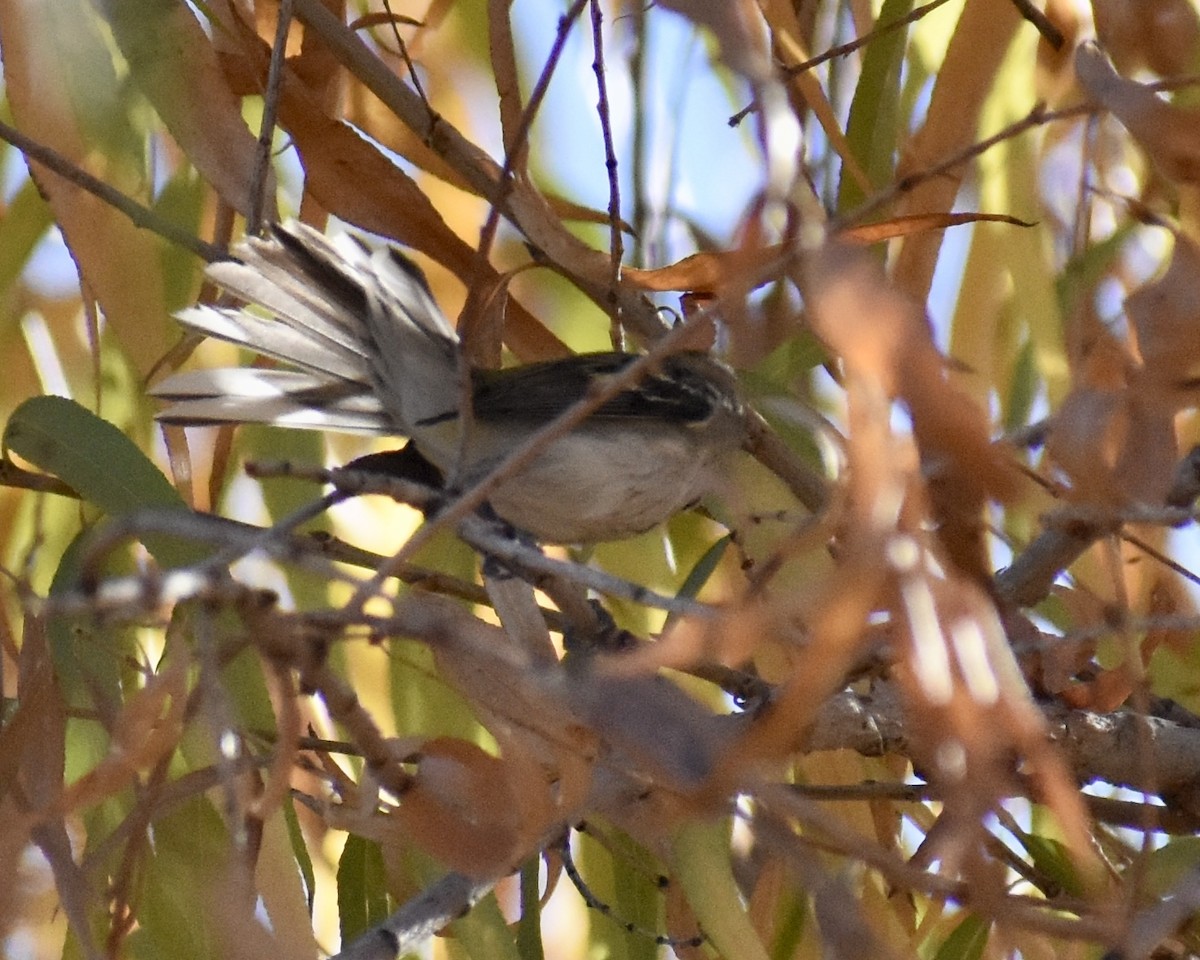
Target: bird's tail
(367, 349)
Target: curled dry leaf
(704, 272)
(912, 224)
(1169, 134)
(709, 271)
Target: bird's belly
(604, 487)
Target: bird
(366, 349)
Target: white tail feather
(376, 353)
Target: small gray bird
(372, 353)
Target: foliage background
(1015, 615)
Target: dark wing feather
(539, 392)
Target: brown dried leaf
(1168, 133)
(706, 272)
(971, 713)
(367, 112)
(885, 341)
(919, 223)
(147, 729)
(463, 809)
(861, 319)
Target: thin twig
(637, 75)
(266, 131)
(13, 476)
(514, 150)
(484, 537)
(1050, 33)
(1038, 116)
(412, 69)
(616, 244)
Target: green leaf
(701, 856)
(704, 568)
(1052, 859)
(100, 463)
(300, 851)
(777, 372)
(1166, 867)
(966, 941)
(181, 202)
(362, 887)
(1022, 389)
(484, 932)
(621, 877)
(871, 131)
(25, 222)
(87, 659)
(188, 856)
(792, 919)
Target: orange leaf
(461, 808)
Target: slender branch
(514, 151)
(616, 243)
(266, 132)
(637, 74)
(139, 215)
(394, 21)
(1050, 33)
